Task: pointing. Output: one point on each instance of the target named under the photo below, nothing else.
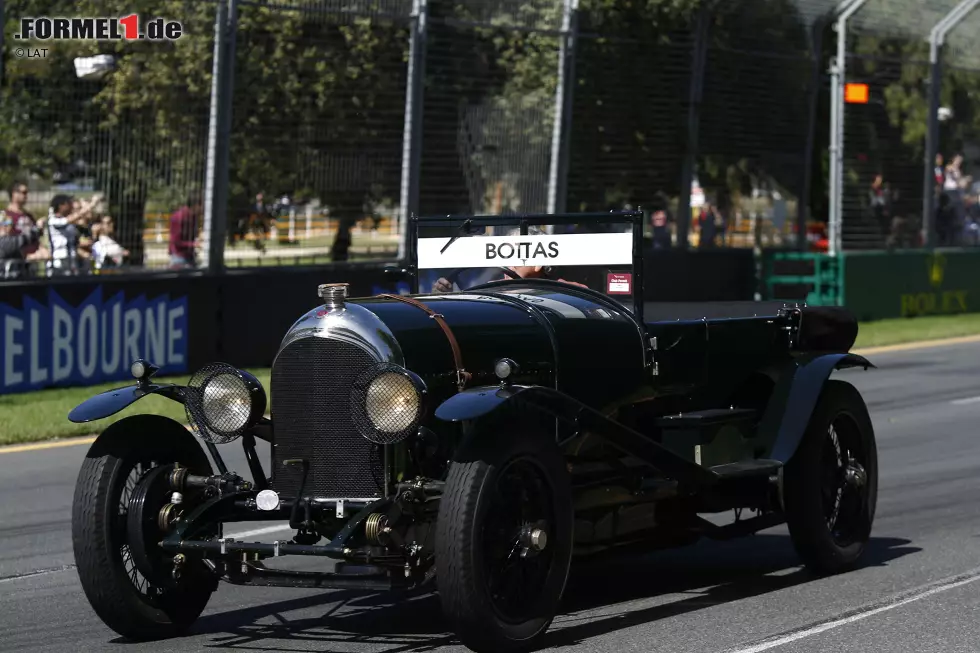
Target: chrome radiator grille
(311, 418)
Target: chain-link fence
(320, 125)
(895, 193)
(99, 142)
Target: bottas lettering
(522, 251)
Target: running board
(758, 468)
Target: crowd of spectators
(75, 237)
(957, 212)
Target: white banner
(508, 251)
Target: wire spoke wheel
(831, 482)
(120, 571)
(844, 480)
(140, 583)
(504, 538)
(517, 558)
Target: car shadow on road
(704, 575)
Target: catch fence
(308, 131)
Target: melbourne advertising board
(47, 340)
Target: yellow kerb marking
(74, 442)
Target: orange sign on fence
(856, 93)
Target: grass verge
(42, 415)
(902, 330)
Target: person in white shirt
(106, 251)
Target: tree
(313, 93)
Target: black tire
(831, 540)
(469, 519)
(121, 455)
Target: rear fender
(794, 398)
(111, 402)
(487, 401)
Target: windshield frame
(524, 222)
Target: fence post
(803, 205)
(937, 37)
(219, 130)
(932, 140)
(412, 135)
(561, 128)
(693, 119)
(838, 69)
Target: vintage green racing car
(515, 412)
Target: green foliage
(319, 99)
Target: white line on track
(261, 531)
(965, 400)
(905, 598)
(36, 572)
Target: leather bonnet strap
(462, 376)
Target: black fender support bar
(480, 402)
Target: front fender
(476, 402)
(795, 397)
(111, 402)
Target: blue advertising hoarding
(51, 343)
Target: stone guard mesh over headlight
(222, 402)
(387, 402)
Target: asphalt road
(918, 589)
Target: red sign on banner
(619, 283)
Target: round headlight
(226, 403)
(222, 401)
(137, 369)
(392, 403)
(387, 404)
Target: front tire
(120, 595)
(500, 582)
(831, 483)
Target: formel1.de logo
(124, 28)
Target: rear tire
(120, 595)
(499, 490)
(831, 483)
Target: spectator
(22, 220)
(708, 226)
(880, 203)
(63, 235)
(82, 216)
(661, 219)
(105, 250)
(14, 242)
(183, 233)
(951, 224)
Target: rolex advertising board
(880, 285)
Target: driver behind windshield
(496, 274)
